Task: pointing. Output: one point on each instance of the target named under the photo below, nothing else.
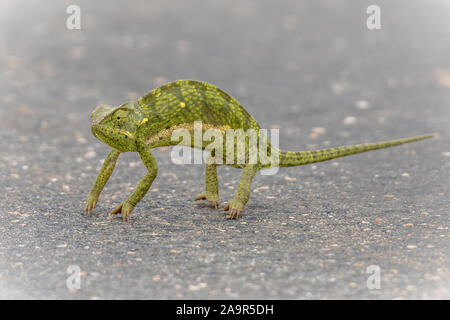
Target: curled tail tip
(428, 136)
(420, 137)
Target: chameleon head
(115, 126)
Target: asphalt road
(312, 69)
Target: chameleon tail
(290, 158)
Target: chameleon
(138, 126)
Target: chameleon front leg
(211, 186)
(102, 178)
(242, 195)
(152, 170)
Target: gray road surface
(310, 68)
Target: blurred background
(312, 69)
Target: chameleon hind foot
(234, 210)
(213, 200)
(124, 208)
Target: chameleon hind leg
(242, 195)
(211, 186)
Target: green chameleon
(149, 122)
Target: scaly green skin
(148, 123)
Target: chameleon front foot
(124, 208)
(234, 210)
(91, 203)
(213, 200)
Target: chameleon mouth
(103, 132)
(97, 132)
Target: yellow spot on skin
(182, 104)
(128, 134)
(143, 121)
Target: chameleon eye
(118, 118)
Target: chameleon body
(149, 122)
